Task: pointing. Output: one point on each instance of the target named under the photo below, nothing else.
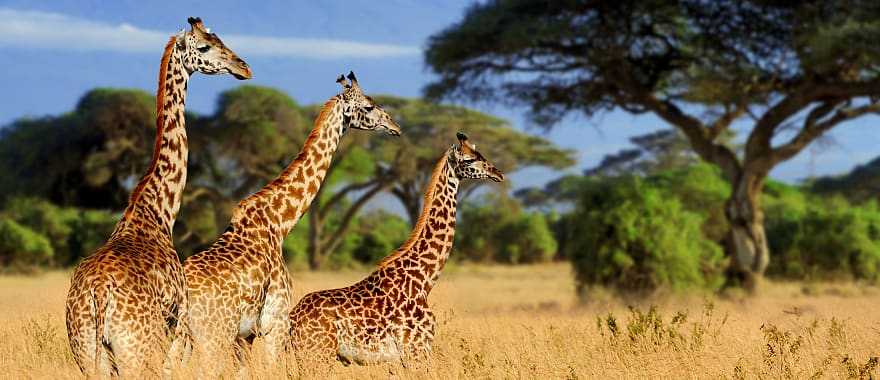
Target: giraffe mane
(310, 139)
(160, 121)
(427, 202)
(321, 119)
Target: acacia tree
(428, 133)
(85, 157)
(401, 166)
(251, 137)
(786, 72)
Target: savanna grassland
(525, 322)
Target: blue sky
(55, 51)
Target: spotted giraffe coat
(386, 316)
(127, 298)
(239, 288)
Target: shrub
(633, 237)
(824, 239)
(700, 189)
(72, 233)
(497, 230)
(22, 248)
(380, 233)
(295, 246)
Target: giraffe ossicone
(129, 296)
(386, 316)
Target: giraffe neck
(430, 241)
(155, 200)
(278, 206)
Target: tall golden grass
(525, 322)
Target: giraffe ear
(352, 78)
(195, 23)
(341, 81)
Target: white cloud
(32, 29)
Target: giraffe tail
(101, 300)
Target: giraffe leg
(81, 335)
(242, 350)
(275, 323)
(180, 352)
(139, 346)
(213, 341)
(180, 349)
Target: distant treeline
(644, 218)
(66, 178)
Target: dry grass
(524, 322)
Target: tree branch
(813, 127)
(799, 98)
(699, 136)
(335, 239)
(722, 123)
(343, 192)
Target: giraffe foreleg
(274, 323)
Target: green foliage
(72, 233)
(497, 230)
(823, 238)
(86, 157)
(570, 56)
(700, 189)
(21, 248)
(698, 65)
(380, 234)
(633, 237)
(258, 130)
(295, 248)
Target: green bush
(497, 230)
(632, 236)
(90, 230)
(22, 248)
(700, 189)
(295, 246)
(380, 233)
(823, 239)
(73, 233)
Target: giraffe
(127, 297)
(239, 288)
(386, 317)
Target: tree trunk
(412, 211)
(411, 201)
(746, 242)
(315, 250)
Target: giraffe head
(468, 163)
(204, 52)
(361, 112)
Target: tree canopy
(790, 70)
(104, 144)
(83, 157)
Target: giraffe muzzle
(392, 128)
(241, 71)
(496, 175)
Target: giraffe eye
(204, 49)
